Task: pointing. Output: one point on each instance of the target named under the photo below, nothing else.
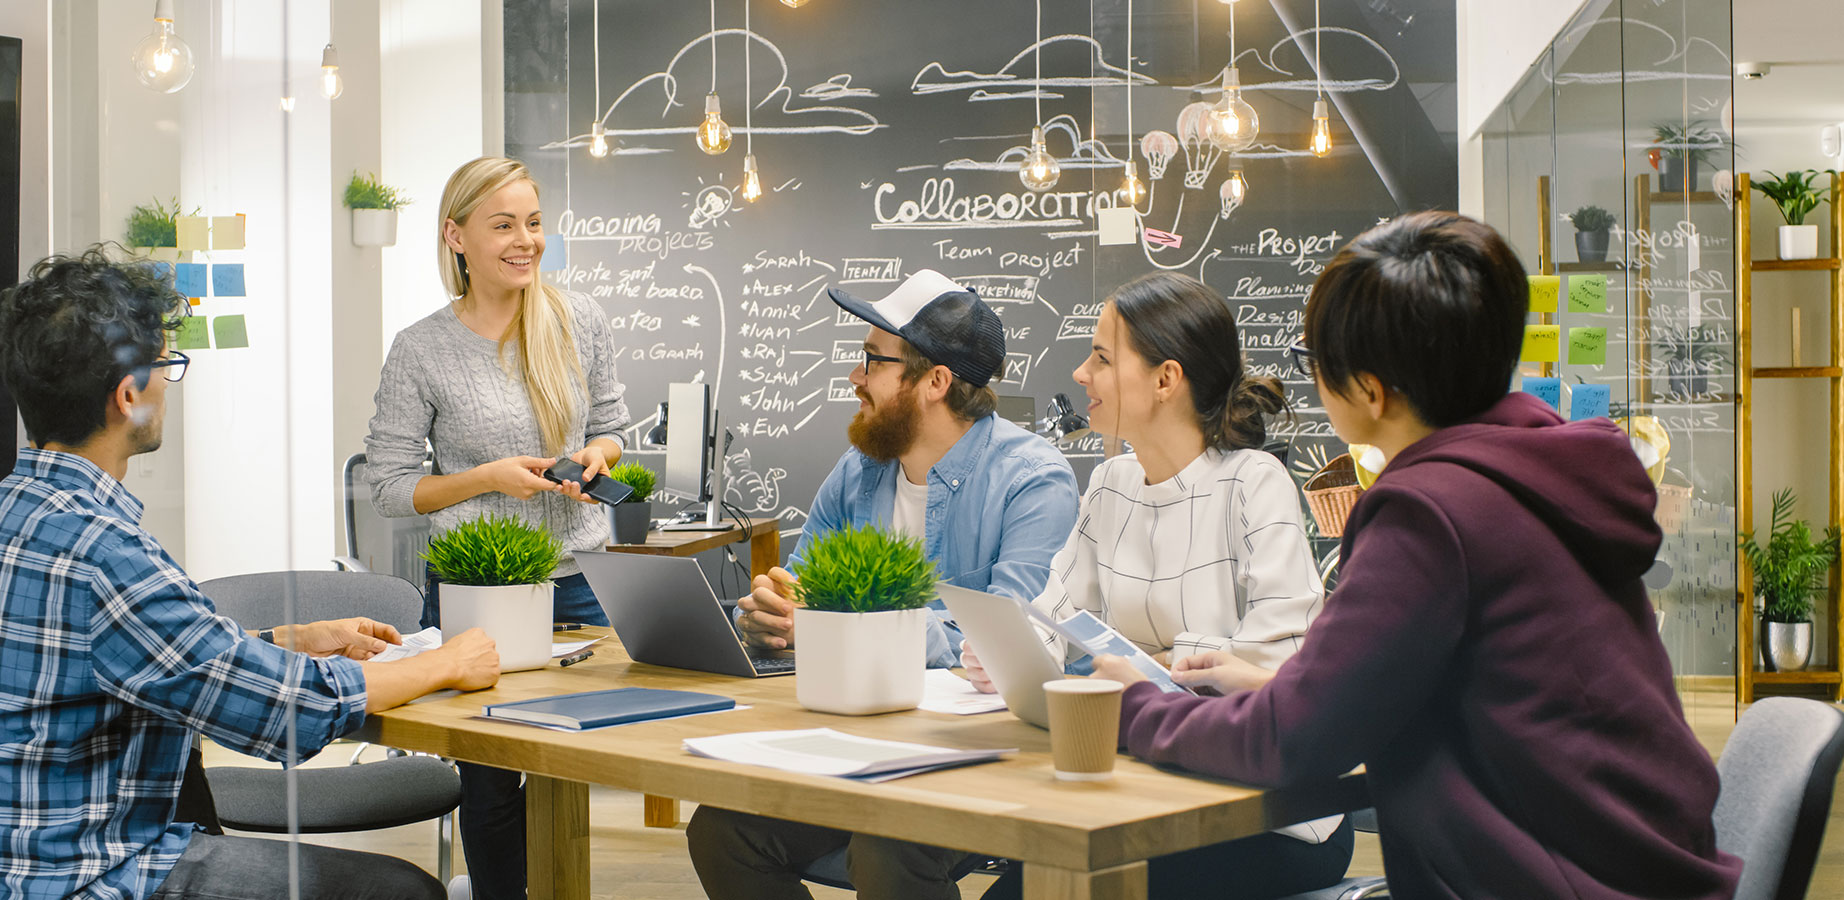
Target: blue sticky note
(1548, 390)
(1588, 401)
(556, 254)
(227, 280)
(189, 279)
(160, 267)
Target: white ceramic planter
(516, 616)
(859, 664)
(1799, 242)
(374, 227)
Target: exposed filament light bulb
(1132, 190)
(793, 4)
(713, 133)
(1322, 130)
(1235, 189)
(752, 180)
(1039, 170)
(331, 85)
(162, 61)
(598, 140)
(1234, 123)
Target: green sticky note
(1544, 291)
(1541, 343)
(1588, 294)
(230, 332)
(192, 334)
(1588, 346)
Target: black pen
(576, 657)
(567, 626)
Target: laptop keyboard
(772, 665)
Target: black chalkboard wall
(888, 135)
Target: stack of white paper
(823, 751)
(431, 638)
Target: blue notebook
(596, 709)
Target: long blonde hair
(542, 324)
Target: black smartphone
(602, 487)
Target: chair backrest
(256, 601)
(1777, 772)
(390, 545)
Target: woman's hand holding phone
(519, 477)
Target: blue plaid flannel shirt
(110, 659)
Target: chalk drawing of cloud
(1077, 56)
(1060, 131)
(827, 114)
(1646, 40)
(1374, 69)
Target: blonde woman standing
(504, 379)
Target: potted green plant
(629, 519)
(1795, 196)
(496, 576)
(374, 206)
(1592, 224)
(1680, 148)
(153, 231)
(862, 626)
(1788, 572)
(1690, 356)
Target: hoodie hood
(1582, 479)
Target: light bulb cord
(1130, 80)
(595, 34)
(713, 46)
(749, 101)
(1232, 35)
(1037, 50)
(1318, 60)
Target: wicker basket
(1331, 492)
(1673, 501)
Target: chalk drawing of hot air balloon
(1158, 147)
(1194, 129)
(1234, 189)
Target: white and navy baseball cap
(945, 322)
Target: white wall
(30, 21)
(1499, 40)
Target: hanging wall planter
(374, 227)
(374, 206)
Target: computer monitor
(694, 459)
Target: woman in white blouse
(1192, 543)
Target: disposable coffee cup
(1084, 727)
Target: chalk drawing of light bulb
(1158, 147)
(710, 205)
(1194, 129)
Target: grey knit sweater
(446, 384)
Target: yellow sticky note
(194, 233)
(227, 232)
(1588, 346)
(1544, 290)
(1542, 343)
(1588, 294)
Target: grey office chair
(356, 797)
(375, 543)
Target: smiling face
(1120, 384)
(502, 239)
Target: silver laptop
(1009, 646)
(664, 611)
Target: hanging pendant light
(1233, 123)
(331, 85)
(162, 61)
(598, 141)
(1039, 170)
(1322, 120)
(1234, 191)
(793, 4)
(713, 133)
(598, 132)
(1132, 190)
(752, 180)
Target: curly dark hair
(73, 329)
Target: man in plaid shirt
(110, 658)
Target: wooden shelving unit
(1747, 678)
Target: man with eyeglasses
(990, 502)
(112, 661)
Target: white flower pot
(516, 616)
(1799, 242)
(859, 664)
(374, 227)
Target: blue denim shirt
(1001, 503)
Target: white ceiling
(1801, 39)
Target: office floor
(629, 861)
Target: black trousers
(219, 867)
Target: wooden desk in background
(764, 537)
(1078, 840)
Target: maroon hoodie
(1491, 656)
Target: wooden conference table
(1077, 839)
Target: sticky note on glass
(556, 256)
(1588, 294)
(230, 332)
(1118, 226)
(1548, 390)
(160, 267)
(1544, 289)
(1541, 343)
(1588, 346)
(189, 279)
(227, 232)
(192, 334)
(1588, 401)
(227, 280)
(194, 233)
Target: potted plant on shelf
(496, 576)
(629, 518)
(1591, 228)
(1690, 357)
(1680, 149)
(153, 231)
(1795, 196)
(1787, 573)
(862, 627)
(374, 206)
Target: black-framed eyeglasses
(175, 364)
(870, 357)
(1302, 358)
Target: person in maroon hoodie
(1490, 654)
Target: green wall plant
(367, 192)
